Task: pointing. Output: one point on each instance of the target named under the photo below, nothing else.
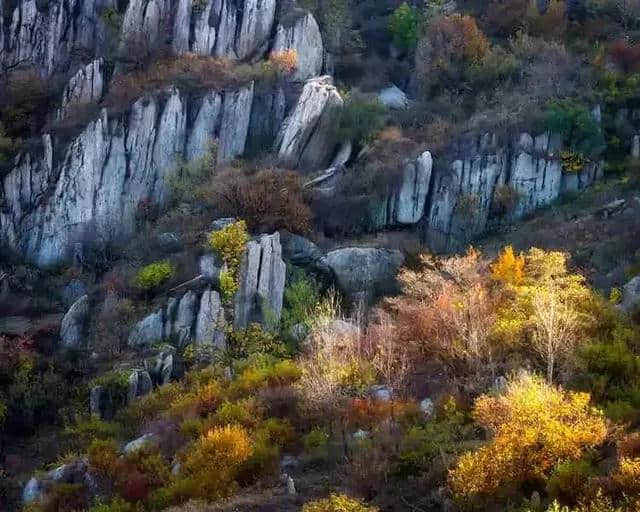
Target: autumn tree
(548, 309)
(533, 426)
(447, 310)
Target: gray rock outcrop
(303, 37)
(92, 189)
(365, 272)
(74, 324)
(183, 319)
(307, 138)
(76, 472)
(86, 86)
(630, 295)
(261, 283)
(47, 38)
(393, 97)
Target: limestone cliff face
(94, 185)
(485, 183)
(466, 196)
(47, 38)
(53, 36)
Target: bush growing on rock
(230, 242)
(361, 118)
(153, 275)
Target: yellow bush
(509, 268)
(535, 426)
(628, 475)
(213, 461)
(201, 401)
(337, 503)
(229, 242)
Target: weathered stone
(367, 271)
(185, 315)
(343, 155)
(147, 331)
(234, 128)
(138, 443)
(307, 137)
(74, 324)
(631, 295)
(261, 283)
(169, 242)
(86, 86)
(95, 400)
(393, 97)
(98, 179)
(257, 21)
(301, 251)
(209, 325)
(411, 198)
(166, 370)
(303, 37)
(381, 393)
(427, 408)
(210, 267)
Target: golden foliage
(337, 503)
(283, 62)
(509, 268)
(534, 426)
(627, 476)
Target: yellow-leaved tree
(548, 308)
(534, 425)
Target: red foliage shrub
(625, 55)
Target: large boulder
(393, 97)
(302, 252)
(307, 137)
(74, 324)
(76, 472)
(365, 272)
(147, 331)
(261, 283)
(301, 35)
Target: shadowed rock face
(307, 137)
(365, 272)
(261, 283)
(192, 317)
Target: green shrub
(116, 384)
(243, 412)
(150, 277)
(403, 26)
(184, 183)
(301, 298)
(574, 122)
(569, 480)
(253, 340)
(316, 442)
(361, 118)
(337, 503)
(496, 65)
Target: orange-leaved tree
(534, 425)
